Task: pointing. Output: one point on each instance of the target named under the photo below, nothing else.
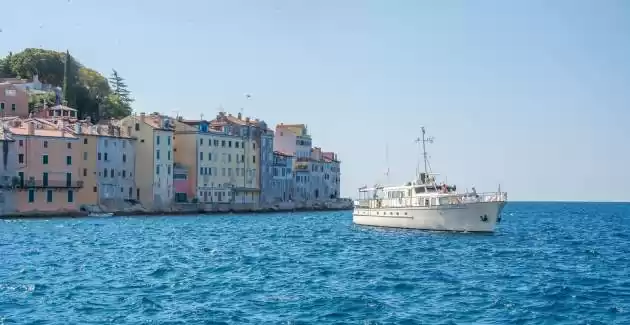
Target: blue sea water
(548, 263)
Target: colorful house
(216, 161)
(283, 184)
(13, 100)
(47, 169)
(251, 131)
(8, 162)
(154, 158)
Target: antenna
(425, 156)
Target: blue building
(266, 164)
(283, 183)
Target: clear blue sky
(534, 95)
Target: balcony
(44, 184)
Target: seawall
(187, 209)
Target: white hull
(470, 217)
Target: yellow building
(216, 162)
(154, 158)
(249, 130)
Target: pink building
(47, 166)
(182, 184)
(285, 140)
(13, 101)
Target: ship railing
(429, 201)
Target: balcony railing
(16, 183)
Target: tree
(83, 88)
(119, 87)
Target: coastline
(170, 212)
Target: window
(209, 155)
(124, 173)
(157, 154)
(45, 179)
(84, 171)
(169, 154)
(229, 144)
(45, 159)
(105, 173)
(168, 140)
(85, 155)
(70, 196)
(68, 160)
(2, 106)
(105, 157)
(157, 140)
(254, 145)
(21, 158)
(21, 143)
(168, 171)
(229, 157)
(124, 157)
(201, 156)
(236, 144)
(200, 141)
(254, 159)
(49, 196)
(85, 141)
(69, 145)
(137, 126)
(95, 189)
(99, 156)
(157, 170)
(222, 143)
(13, 107)
(31, 196)
(45, 144)
(111, 173)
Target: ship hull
(471, 217)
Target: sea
(547, 263)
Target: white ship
(425, 204)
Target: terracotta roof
(22, 130)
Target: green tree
(119, 87)
(83, 88)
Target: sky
(531, 95)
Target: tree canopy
(83, 88)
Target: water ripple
(547, 264)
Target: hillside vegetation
(85, 89)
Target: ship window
(419, 190)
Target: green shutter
(49, 196)
(31, 196)
(70, 196)
(45, 159)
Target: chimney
(142, 116)
(30, 127)
(240, 116)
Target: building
(332, 174)
(293, 139)
(318, 188)
(13, 100)
(180, 179)
(216, 161)
(47, 170)
(251, 131)
(154, 158)
(283, 184)
(8, 162)
(107, 163)
(267, 176)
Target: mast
(424, 140)
(387, 161)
